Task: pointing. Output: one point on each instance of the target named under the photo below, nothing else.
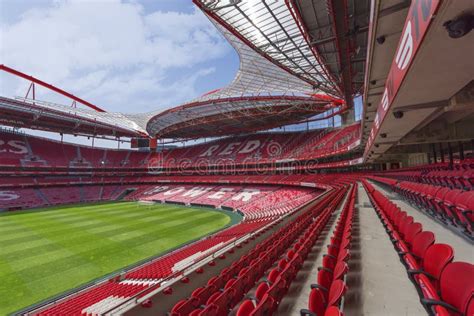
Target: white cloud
(111, 53)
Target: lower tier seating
(149, 275)
(326, 296)
(287, 248)
(253, 201)
(260, 274)
(19, 198)
(226, 289)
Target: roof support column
(348, 117)
(338, 10)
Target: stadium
(334, 175)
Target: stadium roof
(53, 117)
(261, 96)
(226, 116)
(297, 59)
(321, 42)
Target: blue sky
(126, 56)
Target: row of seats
(166, 266)
(387, 181)
(460, 179)
(229, 287)
(78, 303)
(270, 292)
(326, 296)
(451, 206)
(459, 175)
(445, 287)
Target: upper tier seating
(13, 149)
(445, 287)
(23, 150)
(460, 175)
(450, 206)
(334, 142)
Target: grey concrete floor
(382, 286)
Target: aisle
(382, 287)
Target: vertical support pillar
(441, 151)
(348, 117)
(461, 151)
(450, 154)
(435, 158)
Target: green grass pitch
(48, 251)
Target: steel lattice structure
(261, 96)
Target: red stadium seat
(456, 289)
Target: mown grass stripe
(36, 232)
(73, 216)
(38, 243)
(6, 221)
